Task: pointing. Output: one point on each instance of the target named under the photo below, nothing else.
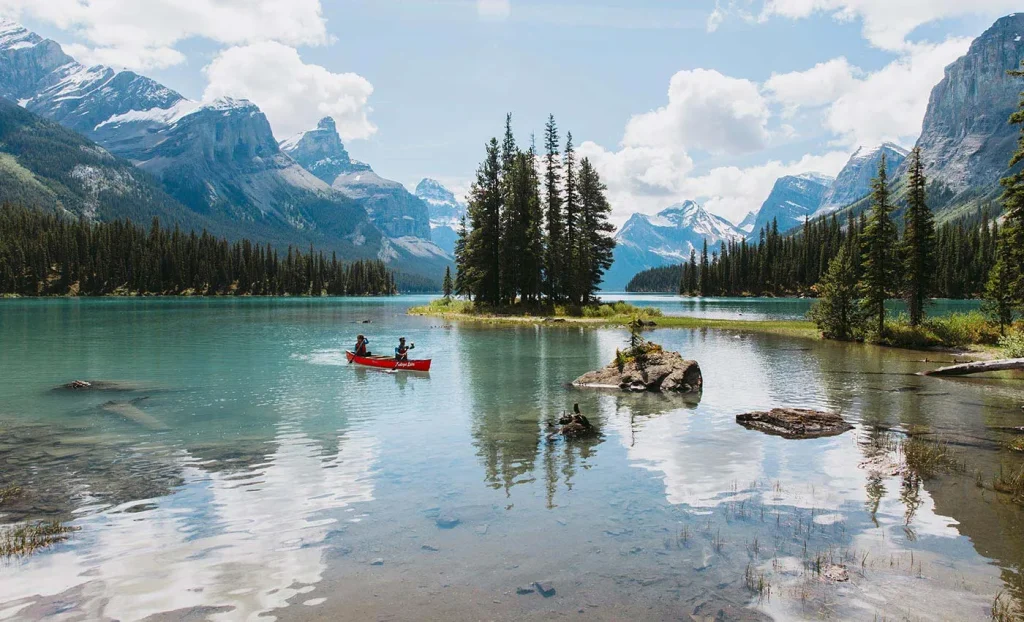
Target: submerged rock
(795, 423)
(667, 372)
(106, 385)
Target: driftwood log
(981, 367)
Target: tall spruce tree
(595, 243)
(1005, 289)
(554, 251)
(918, 247)
(878, 240)
(692, 275)
(446, 284)
(705, 272)
(570, 259)
(462, 278)
(483, 247)
(511, 234)
(532, 259)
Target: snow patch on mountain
(649, 241)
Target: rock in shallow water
(664, 371)
(795, 423)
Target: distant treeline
(45, 254)
(786, 265)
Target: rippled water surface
(239, 468)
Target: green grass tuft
(22, 540)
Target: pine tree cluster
(45, 254)
(528, 244)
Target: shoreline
(804, 329)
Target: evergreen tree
(554, 253)
(878, 242)
(1000, 300)
(918, 246)
(482, 255)
(595, 244)
(1004, 291)
(446, 285)
(704, 285)
(571, 263)
(511, 232)
(838, 313)
(533, 228)
(691, 281)
(462, 280)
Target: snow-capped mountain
(854, 181)
(391, 207)
(747, 224)
(666, 238)
(219, 159)
(446, 212)
(794, 198)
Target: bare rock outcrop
(667, 372)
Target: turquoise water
(242, 469)
(763, 308)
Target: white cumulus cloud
(888, 23)
(817, 86)
(706, 111)
(142, 34)
(294, 95)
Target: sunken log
(667, 372)
(980, 367)
(795, 423)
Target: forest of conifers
(779, 265)
(44, 254)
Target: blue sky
(418, 86)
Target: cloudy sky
(704, 99)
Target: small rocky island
(646, 367)
(795, 423)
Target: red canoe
(388, 362)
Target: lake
(242, 469)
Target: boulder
(573, 426)
(795, 423)
(663, 371)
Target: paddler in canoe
(362, 346)
(402, 352)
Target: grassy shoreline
(795, 328)
(921, 340)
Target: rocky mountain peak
(854, 181)
(966, 141)
(793, 199)
(321, 152)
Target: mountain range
(646, 241)
(446, 213)
(219, 161)
(966, 145)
